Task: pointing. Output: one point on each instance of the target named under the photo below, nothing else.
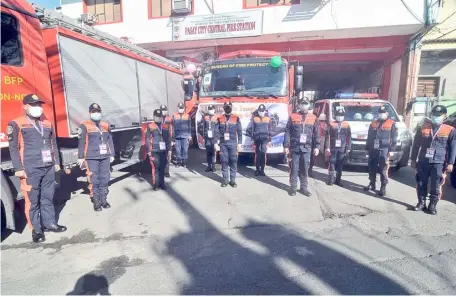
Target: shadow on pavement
(91, 284)
(217, 264)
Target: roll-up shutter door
(427, 87)
(92, 74)
(175, 91)
(152, 88)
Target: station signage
(226, 25)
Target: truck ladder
(49, 17)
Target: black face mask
(227, 110)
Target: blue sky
(46, 3)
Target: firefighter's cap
(158, 113)
(382, 109)
(94, 107)
(211, 107)
(227, 104)
(339, 112)
(303, 101)
(163, 107)
(261, 107)
(181, 105)
(439, 110)
(31, 99)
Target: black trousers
(336, 162)
(210, 153)
(430, 172)
(228, 158)
(261, 147)
(98, 175)
(158, 161)
(300, 162)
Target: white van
(359, 113)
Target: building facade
(344, 45)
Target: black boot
(208, 169)
(338, 179)
(330, 179)
(233, 184)
(292, 192)
(38, 236)
(305, 192)
(213, 168)
(262, 172)
(382, 191)
(96, 204)
(421, 204)
(184, 164)
(370, 186)
(155, 188)
(105, 204)
(55, 228)
(432, 207)
(177, 165)
(257, 172)
(167, 174)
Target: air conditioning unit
(181, 6)
(88, 19)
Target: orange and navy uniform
(29, 141)
(96, 147)
(441, 141)
(260, 132)
(338, 141)
(229, 127)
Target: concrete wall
(393, 94)
(441, 64)
(310, 15)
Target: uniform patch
(438, 108)
(95, 105)
(9, 130)
(35, 97)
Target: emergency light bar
(356, 96)
(248, 54)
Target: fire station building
(344, 45)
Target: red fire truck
(70, 65)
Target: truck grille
(358, 147)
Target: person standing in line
(337, 146)
(260, 132)
(435, 147)
(35, 158)
(207, 128)
(96, 152)
(302, 138)
(182, 132)
(229, 135)
(381, 141)
(167, 124)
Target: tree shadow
(91, 284)
(218, 264)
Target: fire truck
(247, 79)
(70, 65)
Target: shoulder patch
(9, 130)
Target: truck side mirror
(299, 81)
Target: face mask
(304, 108)
(261, 113)
(181, 110)
(437, 120)
(165, 112)
(96, 116)
(382, 116)
(35, 111)
(157, 120)
(339, 118)
(227, 110)
(211, 112)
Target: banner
(278, 112)
(227, 25)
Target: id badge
(46, 155)
(162, 145)
(209, 134)
(227, 136)
(103, 149)
(303, 138)
(430, 152)
(376, 143)
(338, 143)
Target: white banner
(227, 25)
(278, 112)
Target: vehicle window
(11, 44)
(326, 111)
(317, 108)
(364, 111)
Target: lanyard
(434, 135)
(101, 133)
(41, 130)
(339, 127)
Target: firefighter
(96, 152)
(207, 128)
(302, 138)
(158, 142)
(337, 146)
(167, 124)
(35, 158)
(435, 147)
(229, 135)
(381, 140)
(260, 132)
(182, 134)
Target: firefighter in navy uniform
(435, 147)
(381, 140)
(167, 124)
(207, 128)
(35, 158)
(96, 152)
(182, 133)
(158, 142)
(337, 145)
(260, 132)
(229, 135)
(302, 138)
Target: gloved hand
(316, 152)
(20, 174)
(111, 159)
(80, 162)
(217, 147)
(449, 168)
(57, 168)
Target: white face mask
(181, 110)
(157, 120)
(339, 118)
(165, 113)
(35, 111)
(96, 116)
(211, 111)
(261, 113)
(382, 116)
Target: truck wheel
(453, 177)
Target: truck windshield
(362, 111)
(244, 79)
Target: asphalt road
(197, 238)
